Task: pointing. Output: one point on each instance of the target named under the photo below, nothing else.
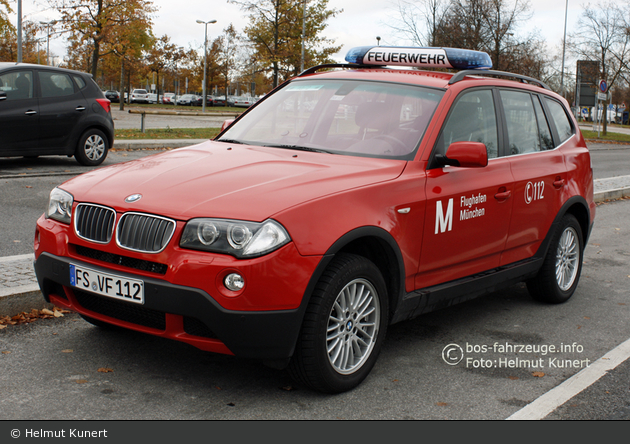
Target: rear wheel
(558, 278)
(344, 326)
(92, 148)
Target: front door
(468, 209)
(19, 114)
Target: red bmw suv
(352, 197)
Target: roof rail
(335, 65)
(479, 72)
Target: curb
(23, 298)
(618, 193)
(154, 144)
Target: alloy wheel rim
(567, 259)
(94, 147)
(353, 326)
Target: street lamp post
(19, 31)
(48, 25)
(205, 61)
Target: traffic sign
(602, 96)
(603, 86)
(622, 107)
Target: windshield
(371, 119)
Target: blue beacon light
(419, 57)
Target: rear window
(560, 119)
(80, 82)
(139, 91)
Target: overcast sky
(359, 24)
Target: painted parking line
(556, 397)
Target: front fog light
(234, 282)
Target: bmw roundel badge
(133, 198)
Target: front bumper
(182, 313)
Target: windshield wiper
(300, 148)
(230, 141)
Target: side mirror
(3, 95)
(226, 123)
(465, 154)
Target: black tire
(333, 319)
(92, 148)
(100, 324)
(560, 273)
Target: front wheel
(344, 326)
(92, 148)
(559, 275)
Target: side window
(546, 141)
(522, 126)
(560, 119)
(473, 119)
(17, 84)
(54, 84)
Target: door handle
(559, 183)
(80, 108)
(503, 195)
(30, 112)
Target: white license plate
(117, 287)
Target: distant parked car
(113, 96)
(216, 101)
(139, 96)
(53, 111)
(186, 100)
(197, 101)
(168, 99)
(151, 98)
(244, 102)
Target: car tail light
(106, 104)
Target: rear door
(539, 171)
(19, 113)
(468, 209)
(62, 107)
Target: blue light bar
(419, 57)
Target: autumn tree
(7, 32)
(33, 48)
(99, 22)
(483, 25)
(603, 35)
(275, 32)
(228, 47)
(160, 55)
(127, 48)
(419, 21)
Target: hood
(216, 179)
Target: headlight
(60, 205)
(237, 238)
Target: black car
(53, 111)
(113, 96)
